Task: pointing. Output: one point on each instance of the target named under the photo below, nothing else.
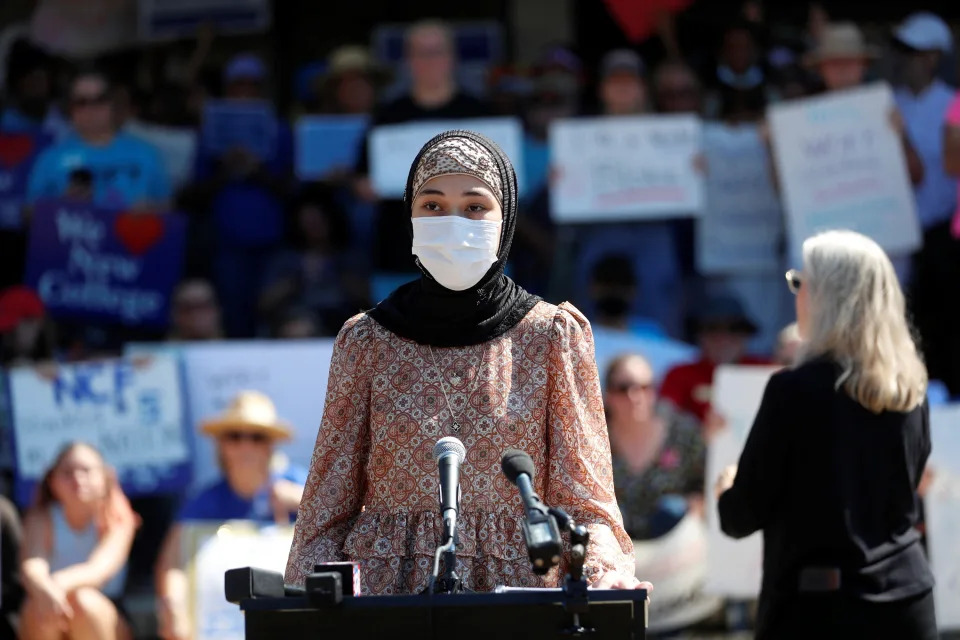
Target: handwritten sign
(742, 223)
(210, 551)
(98, 264)
(942, 504)
(734, 567)
(841, 166)
(18, 152)
(625, 168)
(327, 143)
(292, 374)
(130, 410)
(244, 124)
(169, 19)
(393, 147)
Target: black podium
(520, 615)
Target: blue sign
(132, 410)
(246, 124)
(102, 265)
(328, 143)
(18, 151)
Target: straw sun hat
(841, 41)
(249, 412)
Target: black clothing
(832, 485)
(427, 312)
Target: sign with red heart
(638, 18)
(15, 148)
(138, 232)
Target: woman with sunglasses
(463, 352)
(659, 456)
(831, 467)
(246, 435)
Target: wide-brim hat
(841, 41)
(249, 412)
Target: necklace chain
(455, 426)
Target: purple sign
(97, 264)
(18, 151)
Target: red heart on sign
(138, 232)
(638, 18)
(14, 149)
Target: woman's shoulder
(357, 329)
(546, 318)
(819, 372)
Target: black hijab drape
(427, 312)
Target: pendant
(455, 427)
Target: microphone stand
(574, 584)
(450, 582)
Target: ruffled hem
(408, 534)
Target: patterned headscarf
(458, 155)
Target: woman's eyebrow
(431, 192)
(475, 192)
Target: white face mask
(456, 251)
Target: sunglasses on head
(627, 387)
(88, 101)
(240, 436)
(794, 281)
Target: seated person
(77, 536)
(246, 434)
(658, 452)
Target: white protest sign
(742, 222)
(292, 373)
(942, 504)
(130, 410)
(841, 166)
(625, 168)
(177, 147)
(734, 567)
(210, 553)
(392, 148)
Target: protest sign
(742, 223)
(625, 168)
(734, 567)
(292, 373)
(328, 143)
(209, 552)
(239, 124)
(170, 19)
(942, 507)
(177, 147)
(18, 151)
(841, 166)
(130, 409)
(97, 264)
(392, 148)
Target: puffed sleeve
(333, 495)
(579, 471)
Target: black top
(831, 484)
(390, 255)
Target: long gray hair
(858, 316)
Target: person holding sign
(832, 465)
(77, 536)
(464, 352)
(246, 434)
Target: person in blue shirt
(245, 192)
(246, 434)
(127, 172)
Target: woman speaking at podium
(465, 352)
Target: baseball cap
(621, 61)
(246, 66)
(16, 304)
(924, 31)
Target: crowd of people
(268, 255)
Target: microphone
(540, 530)
(449, 454)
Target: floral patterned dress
(372, 492)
